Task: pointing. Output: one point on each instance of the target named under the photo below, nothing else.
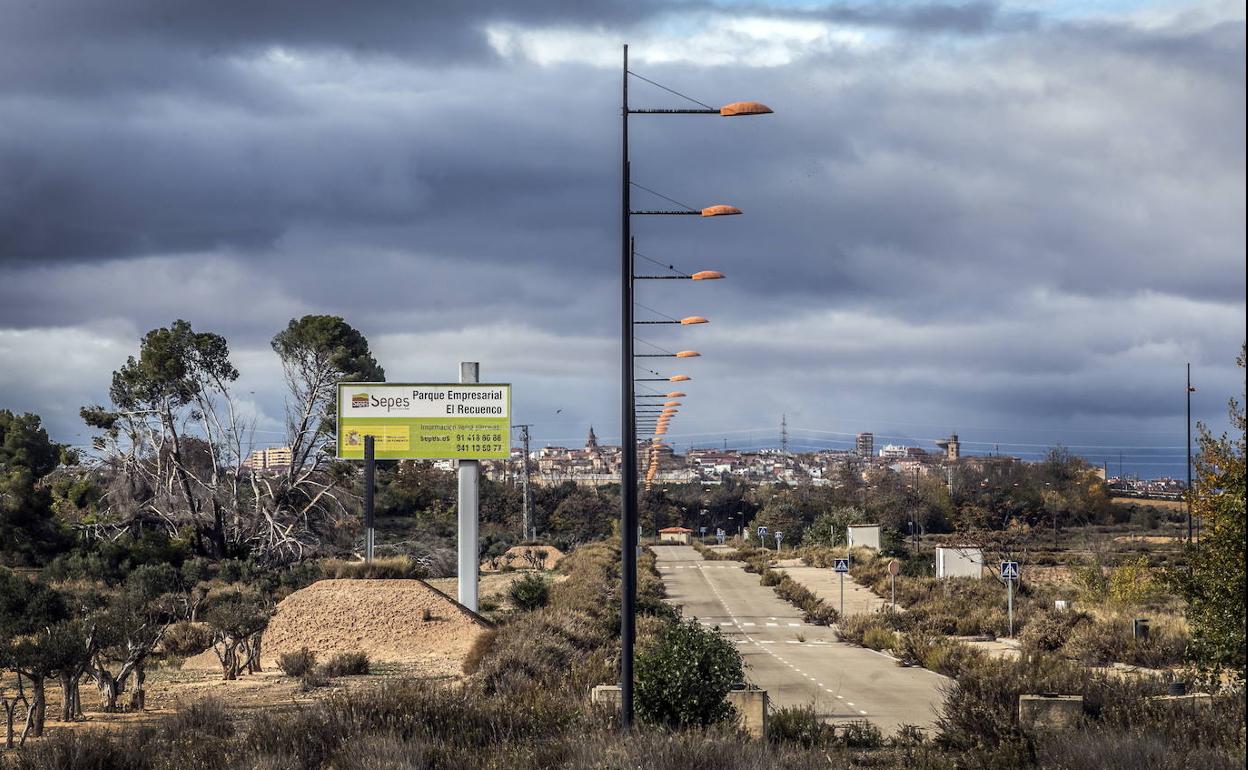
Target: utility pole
(1190, 389)
(784, 435)
(527, 528)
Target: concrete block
(751, 706)
(1042, 713)
(606, 695)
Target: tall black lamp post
(628, 432)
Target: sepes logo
(359, 400)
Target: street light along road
(628, 433)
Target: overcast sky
(1015, 220)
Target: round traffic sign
(894, 567)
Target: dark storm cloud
(966, 206)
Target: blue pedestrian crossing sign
(762, 531)
(1009, 570)
(840, 565)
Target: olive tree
(238, 618)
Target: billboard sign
(422, 421)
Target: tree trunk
(38, 706)
(138, 697)
(110, 688)
(229, 662)
(68, 685)
(253, 655)
(10, 706)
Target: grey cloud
(1036, 224)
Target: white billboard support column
(469, 471)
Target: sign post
(779, 537)
(893, 569)
(370, 468)
(841, 566)
(469, 477)
(468, 422)
(762, 537)
(1009, 573)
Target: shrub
(346, 664)
(384, 568)
(878, 638)
(1097, 643)
(530, 592)
(859, 734)
(296, 664)
(1049, 630)
(487, 604)
(684, 676)
(914, 647)
(799, 725)
(480, 647)
(185, 639)
(853, 628)
(951, 658)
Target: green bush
(684, 676)
(297, 664)
(530, 592)
(346, 664)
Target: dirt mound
(526, 557)
(393, 621)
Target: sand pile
(393, 621)
(384, 618)
(518, 557)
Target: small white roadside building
(866, 535)
(959, 561)
(678, 535)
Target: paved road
(797, 663)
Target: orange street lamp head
(678, 378)
(671, 403)
(744, 108)
(693, 319)
(671, 411)
(688, 354)
(707, 275)
(720, 210)
(659, 431)
(676, 394)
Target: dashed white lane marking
(795, 625)
(747, 640)
(849, 703)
